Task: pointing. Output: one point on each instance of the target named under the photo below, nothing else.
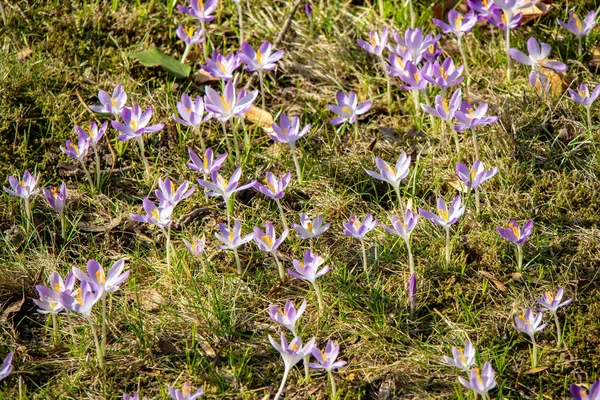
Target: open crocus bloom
(200, 9)
(392, 174)
(348, 108)
(514, 233)
(551, 302)
(445, 217)
(376, 43)
(263, 59)
(582, 95)
(476, 175)
(578, 27)
(135, 123)
(529, 323)
(110, 282)
(222, 67)
(457, 23)
(580, 393)
(111, 104)
(185, 393)
(327, 359)
(309, 229)
(24, 187)
(356, 229)
(482, 381)
(538, 60)
(462, 358)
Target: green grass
(166, 328)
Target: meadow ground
(166, 328)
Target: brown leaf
(12, 309)
(151, 300)
(499, 285)
(259, 116)
(458, 185)
(113, 223)
(23, 54)
(533, 12)
(535, 370)
(167, 347)
(557, 85)
(206, 347)
(595, 59)
(202, 76)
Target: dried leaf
(557, 85)
(94, 228)
(167, 347)
(458, 185)
(595, 59)
(499, 285)
(23, 54)
(535, 370)
(151, 300)
(206, 347)
(409, 204)
(202, 76)
(533, 12)
(259, 116)
(12, 309)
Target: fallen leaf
(259, 116)
(113, 223)
(535, 370)
(595, 59)
(167, 347)
(202, 76)
(557, 84)
(206, 347)
(12, 309)
(23, 54)
(458, 185)
(533, 12)
(151, 300)
(499, 285)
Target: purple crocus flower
(445, 74)
(413, 77)
(327, 359)
(77, 151)
(470, 117)
(308, 270)
(432, 53)
(288, 316)
(480, 382)
(457, 23)
(111, 104)
(49, 301)
(170, 195)
(196, 247)
(267, 240)
(56, 197)
(261, 59)
(579, 393)
(354, 228)
(538, 60)
(443, 109)
(189, 35)
(160, 216)
(208, 163)
(308, 10)
(392, 174)
(577, 27)
(135, 123)
(414, 43)
(108, 283)
(221, 187)
(397, 65)
(529, 323)
(514, 233)
(512, 7)
(6, 367)
(232, 237)
(185, 393)
(376, 43)
(348, 108)
(288, 131)
(310, 229)
(191, 112)
(291, 353)
(24, 187)
(83, 299)
(483, 8)
(551, 302)
(403, 228)
(445, 217)
(274, 187)
(92, 132)
(583, 96)
(201, 10)
(476, 175)
(230, 104)
(497, 18)
(462, 358)
(222, 67)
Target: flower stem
(88, 176)
(399, 195)
(579, 46)
(167, 233)
(388, 81)
(99, 353)
(262, 88)
(185, 53)
(297, 164)
(475, 144)
(63, 226)
(28, 219)
(319, 295)
(589, 116)
(143, 155)
(240, 20)
(364, 256)
(283, 219)
(415, 94)
(205, 41)
(381, 10)
(227, 210)
(332, 382)
(477, 206)
(447, 248)
(199, 134)
(356, 134)
(103, 343)
(534, 355)
(519, 257)
(54, 329)
(238, 264)
(464, 58)
(558, 332)
(509, 63)
(282, 386)
(279, 265)
(411, 261)
(306, 368)
(97, 157)
(236, 147)
(227, 143)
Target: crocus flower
(551, 302)
(412, 291)
(267, 240)
(49, 301)
(24, 187)
(348, 108)
(397, 64)
(583, 97)
(480, 382)
(263, 59)
(200, 9)
(354, 228)
(232, 237)
(497, 18)
(111, 104)
(538, 60)
(77, 151)
(189, 35)
(432, 53)
(445, 74)
(288, 131)
(208, 163)
(108, 283)
(288, 316)
(274, 187)
(310, 229)
(168, 195)
(392, 174)
(476, 175)
(512, 7)
(443, 109)
(6, 367)
(93, 133)
(376, 44)
(308, 10)
(530, 324)
(514, 233)
(445, 217)
(185, 393)
(221, 187)
(414, 43)
(579, 393)
(135, 123)
(56, 197)
(327, 359)
(230, 104)
(457, 23)
(196, 247)
(160, 216)
(308, 270)
(413, 77)
(222, 67)
(462, 358)
(291, 353)
(470, 117)
(83, 299)
(191, 113)
(483, 8)
(404, 228)
(578, 27)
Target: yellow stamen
(323, 356)
(282, 312)
(390, 169)
(22, 183)
(205, 161)
(458, 21)
(189, 31)
(445, 105)
(582, 93)
(54, 192)
(484, 3)
(258, 56)
(101, 277)
(373, 40)
(399, 61)
(173, 188)
(222, 181)
(515, 229)
(294, 347)
(431, 49)
(201, 5)
(443, 214)
(443, 73)
(231, 236)
(57, 287)
(504, 19)
(417, 77)
(577, 21)
(113, 102)
(225, 104)
(473, 174)
(75, 147)
(478, 375)
(78, 296)
(133, 125)
(355, 223)
(154, 214)
(270, 186)
(221, 66)
(309, 227)
(90, 131)
(471, 113)
(549, 296)
(346, 110)
(267, 240)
